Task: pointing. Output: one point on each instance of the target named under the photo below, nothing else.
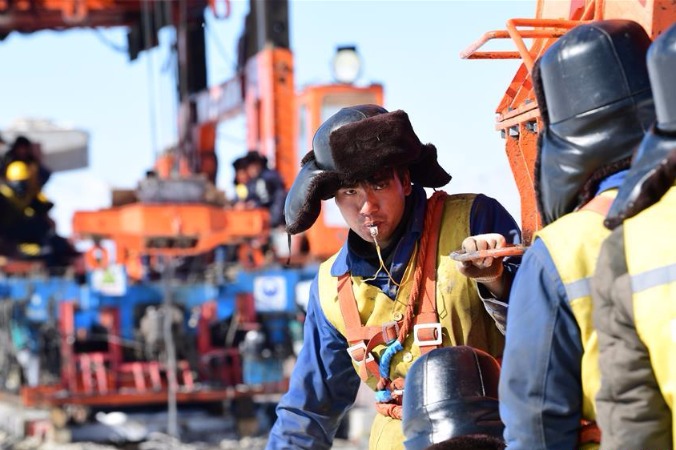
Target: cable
(108, 43)
(374, 233)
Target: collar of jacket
(347, 261)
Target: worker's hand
(484, 270)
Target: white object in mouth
(373, 230)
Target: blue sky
(411, 47)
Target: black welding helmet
(654, 168)
(448, 393)
(594, 95)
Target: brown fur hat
(354, 144)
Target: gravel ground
(159, 442)
(223, 437)
(137, 430)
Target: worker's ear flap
(304, 200)
(652, 174)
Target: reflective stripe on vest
(574, 254)
(651, 261)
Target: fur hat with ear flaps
(354, 144)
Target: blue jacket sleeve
(322, 388)
(540, 386)
(489, 216)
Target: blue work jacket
(540, 381)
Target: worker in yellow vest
(635, 282)
(594, 96)
(392, 292)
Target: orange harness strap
(427, 330)
(357, 334)
(589, 433)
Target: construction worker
(391, 293)
(23, 150)
(240, 182)
(265, 187)
(594, 96)
(634, 287)
(451, 401)
(24, 215)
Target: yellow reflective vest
(651, 262)
(574, 242)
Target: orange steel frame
(269, 107)
(136, 226)
(518, 117)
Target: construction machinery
(157, 310)
(518, 117)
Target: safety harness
(421, 313)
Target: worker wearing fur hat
(392, 292)
(595, 100)
(634, 287)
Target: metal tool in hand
(510, 250)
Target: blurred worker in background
(634, 286)
(24, 215)
(26, 343)
(24, 150)
(240, 182)
(391, 293)
(26, 230)
(265, 187)
(594, 96)
(451, 401)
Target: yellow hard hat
(241, 191)
(17, 171)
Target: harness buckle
(388, 326)
(422, 342)
(358, 353)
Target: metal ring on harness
(426, 334)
